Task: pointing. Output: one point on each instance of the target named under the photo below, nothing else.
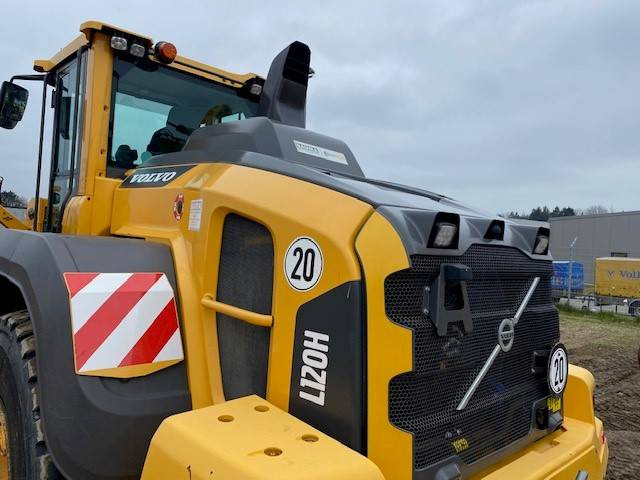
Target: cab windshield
(156, 111)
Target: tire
(28, 457)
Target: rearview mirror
(13, 101)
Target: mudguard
(95, 428)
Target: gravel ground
(610, 351)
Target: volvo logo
(506, 333)
(150, 177)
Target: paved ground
(610, 351)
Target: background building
(608, 235)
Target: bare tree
(595, 210)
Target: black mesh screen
(424, 401)
(245, 280)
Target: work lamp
(445, 233)
(541, 245)
(137, 50)
(119, 43)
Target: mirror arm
(40, 143)
(40, 77)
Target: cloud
(505, 105)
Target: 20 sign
(558, 369)
(303, 264)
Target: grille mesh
(245, 280)
(424, 400)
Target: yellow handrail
(238, 313)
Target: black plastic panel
(96, 428)
(338, 314)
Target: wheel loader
(209, 290)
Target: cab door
(67, 138)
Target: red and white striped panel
(122, 319)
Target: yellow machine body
(357, 243)
(261, 196)
(9, 220)
(249, 438)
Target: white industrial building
(607, 235)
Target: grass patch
(567, 311)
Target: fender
(89, 419)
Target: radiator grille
(245, 280)
(424, 400)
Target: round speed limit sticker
(558, 369)
(303, 263)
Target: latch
(450, 284)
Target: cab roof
(89, 27)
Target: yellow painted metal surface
(249, 438)
(77, 216)
(42, 210)
(212, 73)
(578, 397)
(130, 371)
(96, 25)
(95, 136)
(91, 214)
(618, 277)
(61, 56)
(573, 447)
(9, 220)
(180, 63)
(289, 208)
(92, 27)
(389, 348)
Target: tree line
(12, 199)
(543, 214)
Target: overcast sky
(501, 104)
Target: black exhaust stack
(284, 95)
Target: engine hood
(300, 153)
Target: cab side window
(135, 120)
(67, 137)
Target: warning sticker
(178, 206)
(195, 215)
(121, 320)
(320, 152)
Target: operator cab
(121, 103)
(118, 100)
